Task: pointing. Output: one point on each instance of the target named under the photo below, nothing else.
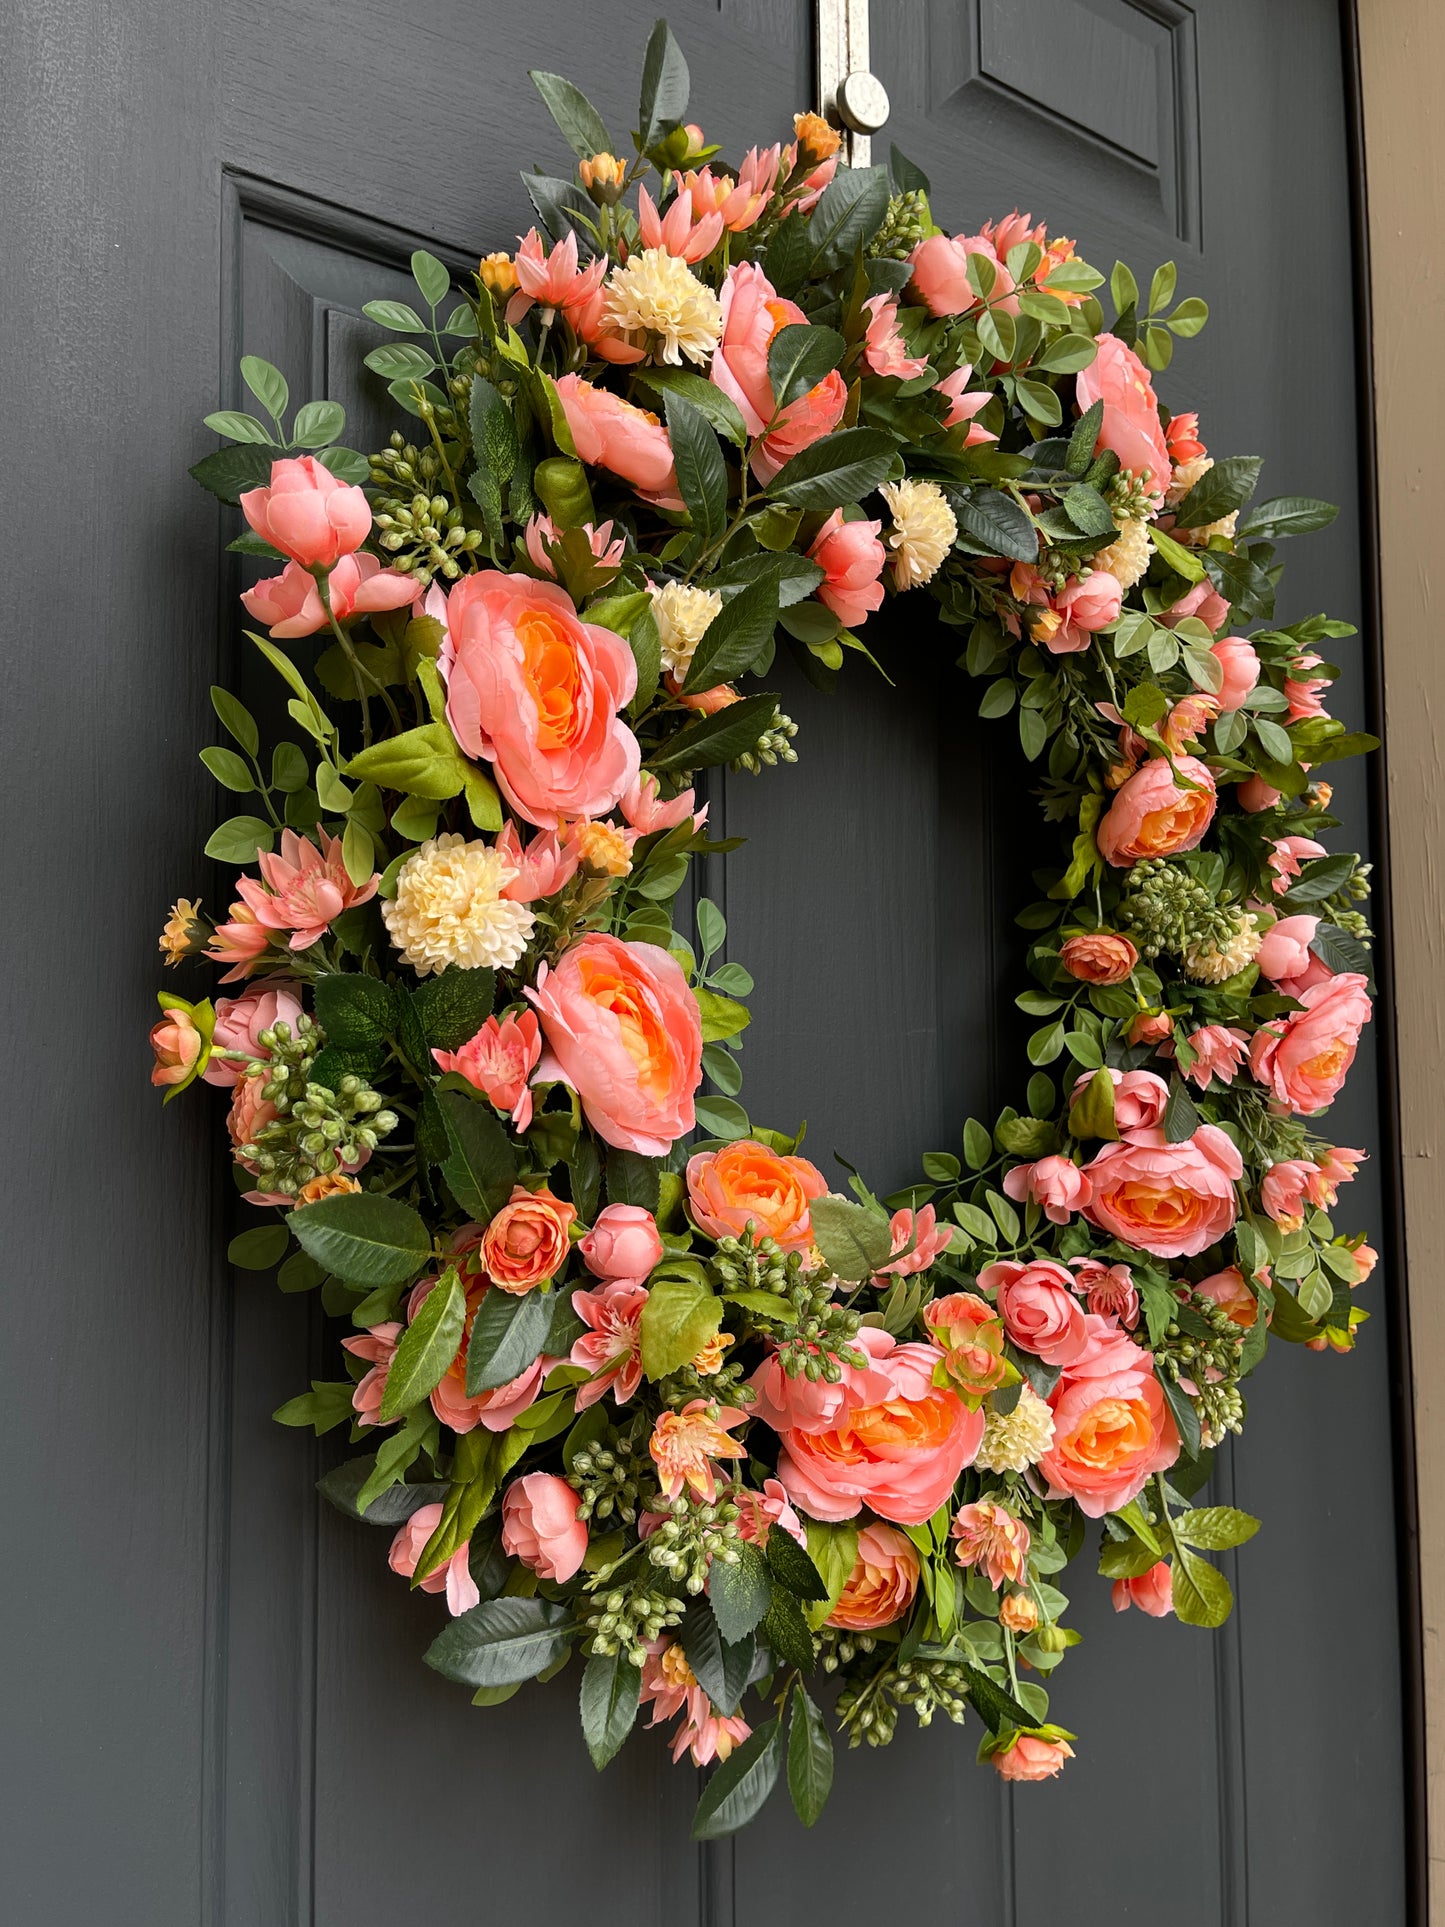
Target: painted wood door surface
(216, 1709)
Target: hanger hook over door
(849, 93)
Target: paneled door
(216, 1707)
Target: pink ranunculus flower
(1117, 377)
(240, 1021)
(802, 422)
(1254, 795)
(1112, 1428)
(1204, 601)
(746, 1183)
(1037, 1304)
(541, 1528)
(1151, 1027)
(307, 514)
(454, 1578)
(940, 275)
(852, 558)
(759, 1512)
(1304, 1058)
(1086, 605)
(1228, 1288)
(792, 1402)
(963, 406)
(305, 888)
(1109, 1290)
(1152, 1592)
(690, 229)
(290, 603)
(931, 1240)
(545, 866)
(1054, 1182)
(251, 1111)
(1171, 1199)
(883, 1583)
(611, 1347)
(645, 811)
(1284, 950)
(1284, 1190)
(624, 1243)
(1219, 1051)
(499, 1061)
(1140, 1098)
(1237, 658)
(538, 692)
(542, 533)
(611, 433)
(1031, 1757)
(378, 1348)
(624, 1031)
(1288, 857)
(900, 1457)
(1152, 815)
(884, 350)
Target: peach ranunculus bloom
(752, 314)
(290, 603)
(498, 1061)
(885, 352)
(990, 1538)
(852, 558)
(538, 693)
(541, 1528)
(745, 1183)
(1236, 657)
(611, 1346)
(900, 1457)
(307, 514)
(1229, 1289)
(1117, 377)
(305, 888)
(624, 1031)
(178, 1045)
(1173, 1200)
(1152, 815)
(1037, 1305)
(1038, 1755)
(1099, 957)
(377, 1347)
(1112, 1428)
(240, 1021)
(1219, 1051)
(685, 1444)
(454, 1578)
(1304, 1058)
(623, 1243)
(1054, 1182)
(494, 1410)
(526, 1242)
(940, 274)
(882, 1584)
(1152, 1592)
(611, 433)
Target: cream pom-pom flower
(1215, 964)
(1127, 556)
(682, 614)
(1013, 1441)
(656, 301)
(924, 530)
(449, 908)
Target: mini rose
(793, 1402)
(1229, 1289)
(1085, 605)
(526, 1242)
(1130, 427)
(1304, 1058)
(1140, 1098)
(307, 514)
(453, 1577)
(240, 1021)
(1240, 664)
(1171, 1199)
(1152, 1592)
(1054, 1182)
(623, 1243)
(1112, 1428)
(1039, 1310)
(541, 1528)
(1152, 815)
(745, 1183)
(759, 1512)
(1099, 957)
(611, 433)
(1037, 1755)
(852, 559)
(881, 1587)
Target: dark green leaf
(702, 476)
(798, 358)
(786, 1632)
(1338, 950)
(838, 469)
(810, 1758)
(1288, 515)
(848, 215)
(260, 1248)
(579, 122)
(704, 395)
(482, 1167)
(501, 1642)
(1186, 1418)
(722, 1670)
(665, 87)
(997, 523)
(907, 178)
(735, 636)
(1181, 1118)
(507, 1335)
(355, 1011)
(391, 1508)
(717, 739)
(739, 1592)
(229, 472)
(611, 1687)
(365, 1239)
(1320, 879)
(792, 1567)
(452, 1007)
(740, 1786)
(1088, 511)
(427, 1348)
(1226, 486)
(995, 1706)
(789, 256)
(632, 1179)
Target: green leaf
(323, 1408)
(401, 361)
(1339, 950)
(810, 1759)
(719, 738)
(1181, 1118)
(739, 1592)
(356, 1011)
(666, 84)
(994, 1705)
(346, 464)
(997, 524)
(1319, 879)
(1181, 560)
(786, 1632)
(1202, 1594)
(318, 423)
(735, 637)
(907, 178)
(1288, 515)
(740, 1787)
(482, 1167)
(230, 472)
(721, 1017)
(1186, 1419)
(365, 1239)
(792, 1567)
(427, 1348)
(848, 215)
(833, 1549)
(1088, 511)
(704, 395)
(507, 1336)
(237, 427)
(452, 1007)
(260, 1248)
(501, 1642)
(854, 1241)
(432, 276)
(238, 839)
(267, 384)
(681, 1314)
(393, 1507)
(977, 1144)
(702, 476)
(396, 315)
(1215, 1528)
(798, 358)
(722, 1670)
(632, 1179)
(1189, 317)
(1219, 490)
(1123, 288)
(419, 762)
(723, 1117)
(235, 717)
(300, 1273)
(584, 131)
(610, 1696)
(838, 469)
(228, 768)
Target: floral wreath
(667, 1399)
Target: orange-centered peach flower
(526, 1242)
(684, 1445)
(745, 1184)
(1153, 815)
(882, 1583)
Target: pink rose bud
(623, 1243)
(1152, 1592)
(1285, 948)
(540, 1525)
(1240, 664)
(307, 514)
(454, 1578)
(1056, 1183)
(852, 559)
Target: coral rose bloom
(454, 1578)
(1037, 1305)
(1171, 1199)
(526, 1242)
(1151, 815)
(1112, 1428)
(745, 1184)
(900, 1457)
(1054, 1182)
(1118, 378)
(540, 1525)
(623, 1030)
(307, 514)
(611, 433)
(1099, 957)
(852, 557)
(1304, 1058)
(537, 692)
(1032, 1758)
(882, 1584)
(1152, 1592)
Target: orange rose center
(1166, 829)
(895, 1427)
(1110, 1434)
(1329, 1063)
(549, 664)
(644, 1037)
(1158, 1210)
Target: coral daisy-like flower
(305, 888)
(682, 614)
(656, 301)
(180, 925)
(990, 1537)
(924, 530)
(1214, 965)
(449, 908)
(1013, 1441)
(684, 1444)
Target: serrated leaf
(482, 1166)
(810, 1759)
(426, 1348)
(792, 1567)
(997, 524)
(229, 472)
(739, 1592)
(1221, 489)
(507, 1335)
(722, 1670)
(501, 1642)
(681, 1314)
(799, 356)
(836, 470)
(740, 1787)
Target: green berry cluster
(606, 1477)
(868, 1709)
(1165, 908)
(423, 531)
(904, 226)
(694, 1534)
(1202, 1344)
(316, 1131)
(627, 1619)
(774, 746)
